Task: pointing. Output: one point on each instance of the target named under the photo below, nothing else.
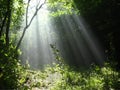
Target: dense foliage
(10, 68)
(62, 7)
(11, 12)
(70, 78)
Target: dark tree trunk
(8, 22)
(8, 28)
(3, 23)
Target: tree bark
(8, 22)
(3, 23)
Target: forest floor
(67, 78)
(48, 82)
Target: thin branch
(28, 24)
(38, 4)
(27, 11)
(42, 4)
(37, 9)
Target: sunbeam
(71, 35)
(35, 47)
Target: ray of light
(36, 42)
(91, 40)
(69, 33)
(81, 40)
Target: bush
(10, 67)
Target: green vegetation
(62, 7)
(10, 67)
(96, 78)
(64, 77)
(56, 77)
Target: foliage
(10, 17)
(60, 7)
(60, 76)
(10, 67)
(17, 15)
(64, 77)
(95, 79)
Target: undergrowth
(64, 77)
(59, 76)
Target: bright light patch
(69, 33)
(36, 44)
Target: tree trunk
(8, 22)
(3, 23)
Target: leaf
(6, 55)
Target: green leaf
(6, 54)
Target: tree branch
(27, 11)
(28, 24)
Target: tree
(6, 19)
(10, 16)
(9, 9)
